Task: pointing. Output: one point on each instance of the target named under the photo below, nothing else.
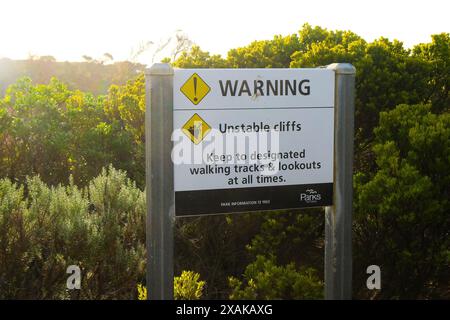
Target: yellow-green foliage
(185, 287)
(142, 292)
(188, 286)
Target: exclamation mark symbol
(195, 89)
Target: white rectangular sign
(252, 139)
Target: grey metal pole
(338, 218)
(159, 181)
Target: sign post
(159, 181)
(338, 217)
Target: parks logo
(310, 196)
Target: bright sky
(68, 29)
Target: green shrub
(401, 212)
(188, 286)
(185, 287)
(45, 229)
(263, 279)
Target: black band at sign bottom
(203, 202)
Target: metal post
(159, 181)
(338, 218)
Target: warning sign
(258, 139)
(196, 129)
(195, 89)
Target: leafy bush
(263, 279)
(43, 230)
(185, 287)
(188, 286)
(402, 210)
(71, 132)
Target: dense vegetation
(60, 206)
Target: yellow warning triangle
(196, 129)
(195, 89)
